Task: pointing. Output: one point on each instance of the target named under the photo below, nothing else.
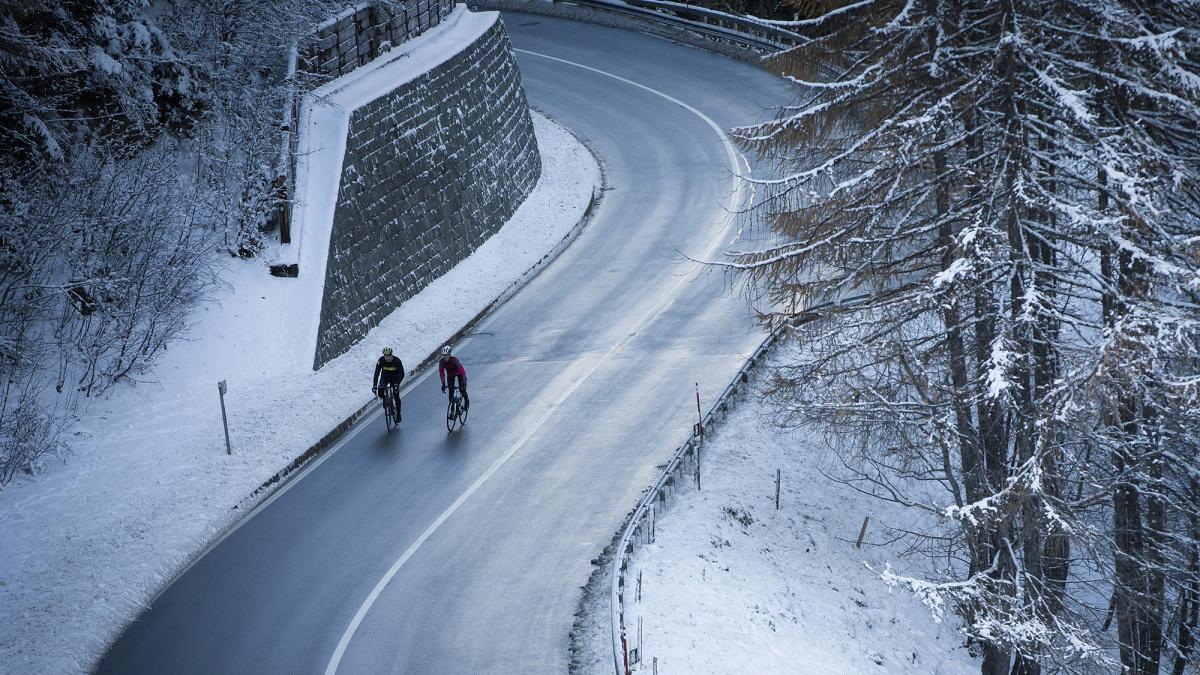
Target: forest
(141, 147)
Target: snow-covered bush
(80, 72)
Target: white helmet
(446, 350)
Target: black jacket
(388, 373)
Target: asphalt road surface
(426, 552)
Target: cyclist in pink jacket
(450, 365)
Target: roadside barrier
(640, 528)
(746, 31)
(641, 525)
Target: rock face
(431, 170)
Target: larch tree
(999, 200)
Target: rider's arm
(442, 371)
(401, 365)
(378, 369)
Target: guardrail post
(625, 648)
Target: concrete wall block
(431, 171)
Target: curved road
(422, 552)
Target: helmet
(445, 350)
(387, 351)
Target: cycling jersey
(452, 366)
(388, 371)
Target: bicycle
(391, 406)
(455, 412)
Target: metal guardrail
(746, 31)
(638, 530)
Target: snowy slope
(731, 585)
(89, 543)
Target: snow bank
(84, 547)
(731, 585)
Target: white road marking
(646, 319)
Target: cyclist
(451, 364)
(388, 371)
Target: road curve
(422, 552)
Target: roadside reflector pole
(222, 388)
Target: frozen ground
(731, 585)
(86, 545)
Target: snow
(87, 544)
(730, 585)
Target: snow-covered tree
(141, 140)
(81, 72)
(1002, 196)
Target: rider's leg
(466, 399)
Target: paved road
(581, 384)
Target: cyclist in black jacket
(388, 371)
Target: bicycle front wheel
(451, 415)
(389, 413)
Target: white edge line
(653, 313)
(291, 482)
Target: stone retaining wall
(431, 170)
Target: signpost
(222, 388)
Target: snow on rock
(731, 585)
(87, 545)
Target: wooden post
(862, 532)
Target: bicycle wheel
(462, 414)
(389, 415)
(451, 414)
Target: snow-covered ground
(730, 585)
(85, 546)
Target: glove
(443, 388)
(374, 390)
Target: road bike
(455, 412)
(391, 406)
